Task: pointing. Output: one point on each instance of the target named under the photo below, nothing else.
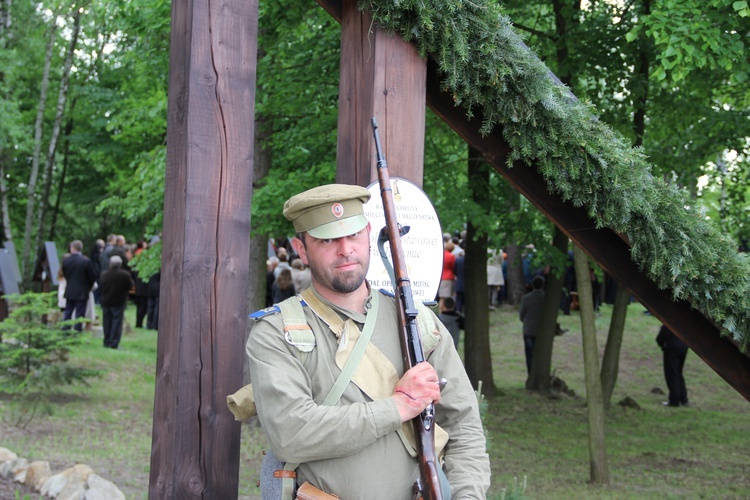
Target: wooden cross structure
(195, 445)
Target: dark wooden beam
(381, 76)
(205, 255)
(605, 246)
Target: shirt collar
(357, 317)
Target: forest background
(83, 101)
(83, 91)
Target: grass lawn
(700, 451)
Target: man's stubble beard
(347, 282)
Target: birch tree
(62, 98)
(31, 197)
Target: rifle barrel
(411, 345)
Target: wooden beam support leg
(205, 255)
(381, 76)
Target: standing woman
(495, 278)
(448, 277)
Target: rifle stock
(411, 345)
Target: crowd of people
(105, 278)
(452, 290)
(286, 275)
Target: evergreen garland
(485, 67)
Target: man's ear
(299, 248)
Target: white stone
(68, 484)
(102, 489)
(18, 469)
(37, 473)
(6, 468)
(19, 473)
(6, 454)
(54, 485)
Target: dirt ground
(10, 489)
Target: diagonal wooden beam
(605, 246)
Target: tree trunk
(611, 360)
(478, 359)
(7, 230)
(541, 364)
(639, 84)
(26, 259)
(516, 283)
(259, 242)
(5, 19)
(61, 181)
(256, 291)
(599, 473)
(5, 23)
(62, 98)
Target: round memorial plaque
(422, 245)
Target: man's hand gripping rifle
(411, 345)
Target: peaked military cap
(330, 211)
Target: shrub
(34, 350)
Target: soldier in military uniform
(359, 446)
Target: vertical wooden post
(195, 446)
(381, 76)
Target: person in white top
(495, 279)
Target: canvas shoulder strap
(296, 330)
(333, 396)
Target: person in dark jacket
(152, 313)
(115, 284)
(141, 300)
(452, 319)
(283, 287)
(96, 256)
(120, 250)
(675, 352)
(531, 315)
(79, 278)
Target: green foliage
(117, 120)
(690, 35)
(148, 262)
(138, 191)
(726, 196)
(516, 491)
(486, 69)
(34, 352)
(299, 110)
(508, 218)
(115, 117)
(134, 81)
(688, 121)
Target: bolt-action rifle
(428, 486)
